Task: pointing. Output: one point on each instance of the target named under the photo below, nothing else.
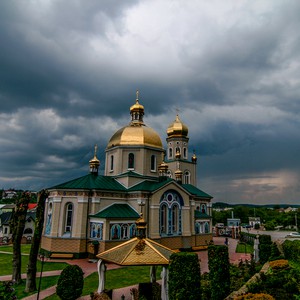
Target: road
(275, 235)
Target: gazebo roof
(137, 252)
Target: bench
(199, 248)
(62, 255)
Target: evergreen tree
(219, 271)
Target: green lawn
(45, 283)
(6, 264)
(116, 278)
(244, 248)
(25, 248)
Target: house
(6, 232)
(93, 213)
(254, 220)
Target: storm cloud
(69, 72)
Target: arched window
(96, 230)
(187, 177)
(203, 208)
(177, 150)
(132, 230)
(175, 218)
(170, 152)
(197, 228)
(130, 161)
(170, 213)
(169, 173)
(153, 163)
(184, 153)
(163, 218)
(115, 232)
(206, 227)
(69, 217)
(111, 162)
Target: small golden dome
(194, 158)
(177, 128)
(94, 162)
(178, 172)
(163, 167)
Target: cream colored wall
(142, 157)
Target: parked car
(247, 226)
(293, 235)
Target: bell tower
(177, 156)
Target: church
(93, 213)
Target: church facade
(93, 213)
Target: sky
(69, 71)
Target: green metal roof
(195, 191)
(117, 211)
(200, 215)
(92, 181)
(149, 186)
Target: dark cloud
(69, 73)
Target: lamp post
(42, 259)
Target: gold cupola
(94, 163)
(194, 158)
(177, 128)
(137, 111)
(136, 133)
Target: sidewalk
(91, 267)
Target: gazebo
(138, 251)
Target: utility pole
(296, 221)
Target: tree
(219, 271)
(34, 250)
(184, 276)
(70, 283)
(18, 224)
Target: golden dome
(194, 158)
(135, 135)
(94, 162)
(177, 128)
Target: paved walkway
(91, 267)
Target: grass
(115, 279)
(25, 248)
(244, 248)
(45, 283)
(6, 261)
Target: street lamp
(42, 259)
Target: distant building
(233, 222)
(9, 194)
(6, 232)
(254, 220)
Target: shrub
(7, 292)
(184, 276)
(70, 283)
(279, 264)
(251, 296)
(291, 249)
(219, 271)
(264, 246)
(280, 283)
(275, 253)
